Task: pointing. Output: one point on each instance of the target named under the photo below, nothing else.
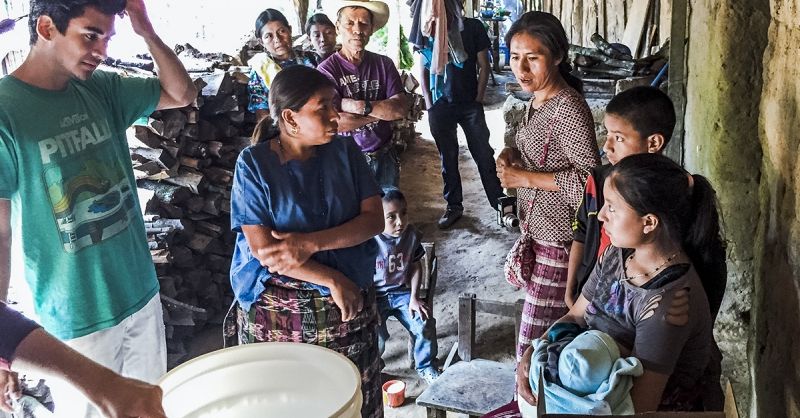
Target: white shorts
(136, 348)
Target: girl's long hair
(687, 210)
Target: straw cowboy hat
(379, 9)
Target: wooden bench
(472, 386)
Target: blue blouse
(320, 193)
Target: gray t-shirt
(634, 317)
(395, 256)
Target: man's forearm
(349, 121)
(5, 268)
(390, 109)
(175, 81)
(393, 108)
(5, 248)
(483, 74)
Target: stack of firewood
(184, 162)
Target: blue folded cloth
(593, 378)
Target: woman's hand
(347, 296)
(418, 306)
(512, 177)
(9, 390)
(509, 157)
(523, 381)
(291, 251)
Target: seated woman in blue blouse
(306, 207)
(275, 34)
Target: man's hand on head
(136, 10)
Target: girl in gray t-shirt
(664, 229)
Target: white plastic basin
(264, 380)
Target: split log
(174, 121)
(191, 130)
(213, 204)
(209, 228)
(195, 204)
(142, 137)
(596, 54)
(190, 178)
(219, 175)
(195, 163)
(200, 243)
(166, 193)
(217, 84)
(160, 156)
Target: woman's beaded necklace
(650, 273)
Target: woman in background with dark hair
(322, 33)
(665, 238)
(555, 149)
(274, 33)
(306, 207)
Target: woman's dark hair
(648, 110)
(548, 30)
(393, 194)
(291, 89)
(318, 19)
(653, 183)
(62, 11)
(269, 15)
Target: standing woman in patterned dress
(275, 35)
(305, 207)
(555, 148)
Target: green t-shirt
(65, 166)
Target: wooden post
(677, 76)
(466, 325)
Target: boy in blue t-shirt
(397, 276)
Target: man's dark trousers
(444, 118)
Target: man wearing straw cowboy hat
(368, 84)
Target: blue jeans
(423, 333)
(444, 119)
(385, 167)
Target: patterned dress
(320, 193)
(557, 138)
(261, 75)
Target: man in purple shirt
(368, 85)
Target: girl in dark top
(664, 229)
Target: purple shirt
(376, 78)
(13, 329)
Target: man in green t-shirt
(67, 190)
